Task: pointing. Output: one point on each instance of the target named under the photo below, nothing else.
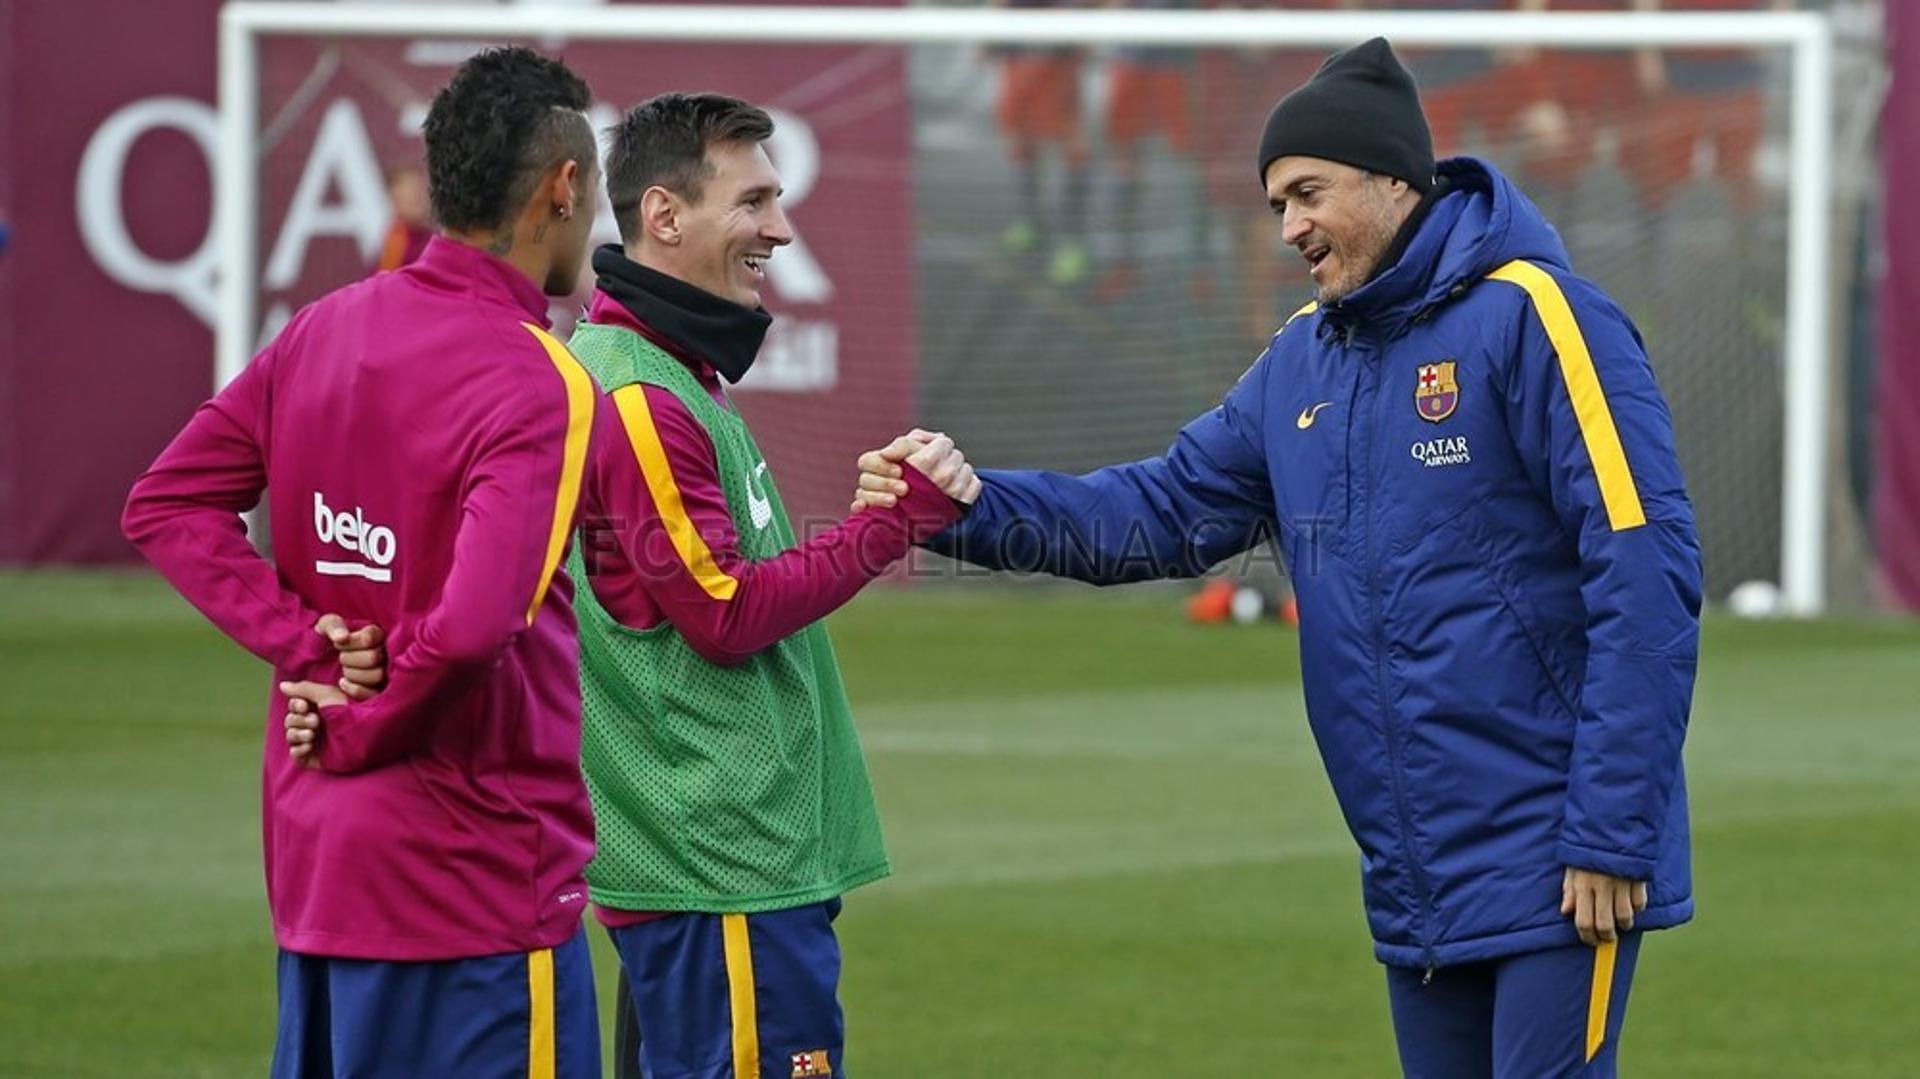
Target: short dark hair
(507, 117)
(663, 141)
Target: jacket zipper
(1423, 895)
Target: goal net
(1041, 231)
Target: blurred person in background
(421, 437)
(1593, 99)
(1039, 116)
(1699, 103)
(1472, 473)
(1151, 89)
(1237, 89)
(412, 223)
(1474, 97)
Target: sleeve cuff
(951, 540)
(340, 752)
(309, 660)
(927, 509)
(1623, 866)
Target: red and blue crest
(1436, 394)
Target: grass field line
(1189, 716)
(184, 936)
(1055, 745)
(1118, 859)
(1709, 767)
(1114, 861)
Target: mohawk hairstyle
(507, 117)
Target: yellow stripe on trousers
(540, 1005)
(1602, 997)
(566, 496)
(746, 1015)
(1590, 409)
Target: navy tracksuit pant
(1540, 1015)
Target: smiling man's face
(1340, 219)
(732, 230)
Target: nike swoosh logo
(1308, 415)
(758, 506)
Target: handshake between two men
(883, 482)
(1599, 903)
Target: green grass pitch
(1115, 851)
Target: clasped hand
(883, 477)
(363, 670)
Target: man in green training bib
(731, 799)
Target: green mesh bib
(719, 789)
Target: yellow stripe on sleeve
(540, 1054)
(1590, 409)
(1306, 309)
(746, 1015)
(580, 394)
(1602, 996)
(637, 418)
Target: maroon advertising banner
(110, 279)
(1897, 475)
(108, 144)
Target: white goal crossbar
(1807, 36)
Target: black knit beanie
(1361, 109)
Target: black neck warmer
(721, 332)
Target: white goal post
(1807, 36)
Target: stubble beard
(1369, 246)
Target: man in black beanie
(1471, 473)
(1349, 151)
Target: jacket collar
(458, 267)
(1473, 222)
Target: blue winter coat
(1472, 477)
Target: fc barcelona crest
(812, 1064)
(1436, 394)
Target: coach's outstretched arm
(1170, 516)
(1585, 411)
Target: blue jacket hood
(1480, 223)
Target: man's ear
(660, 215)
(564, 189)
